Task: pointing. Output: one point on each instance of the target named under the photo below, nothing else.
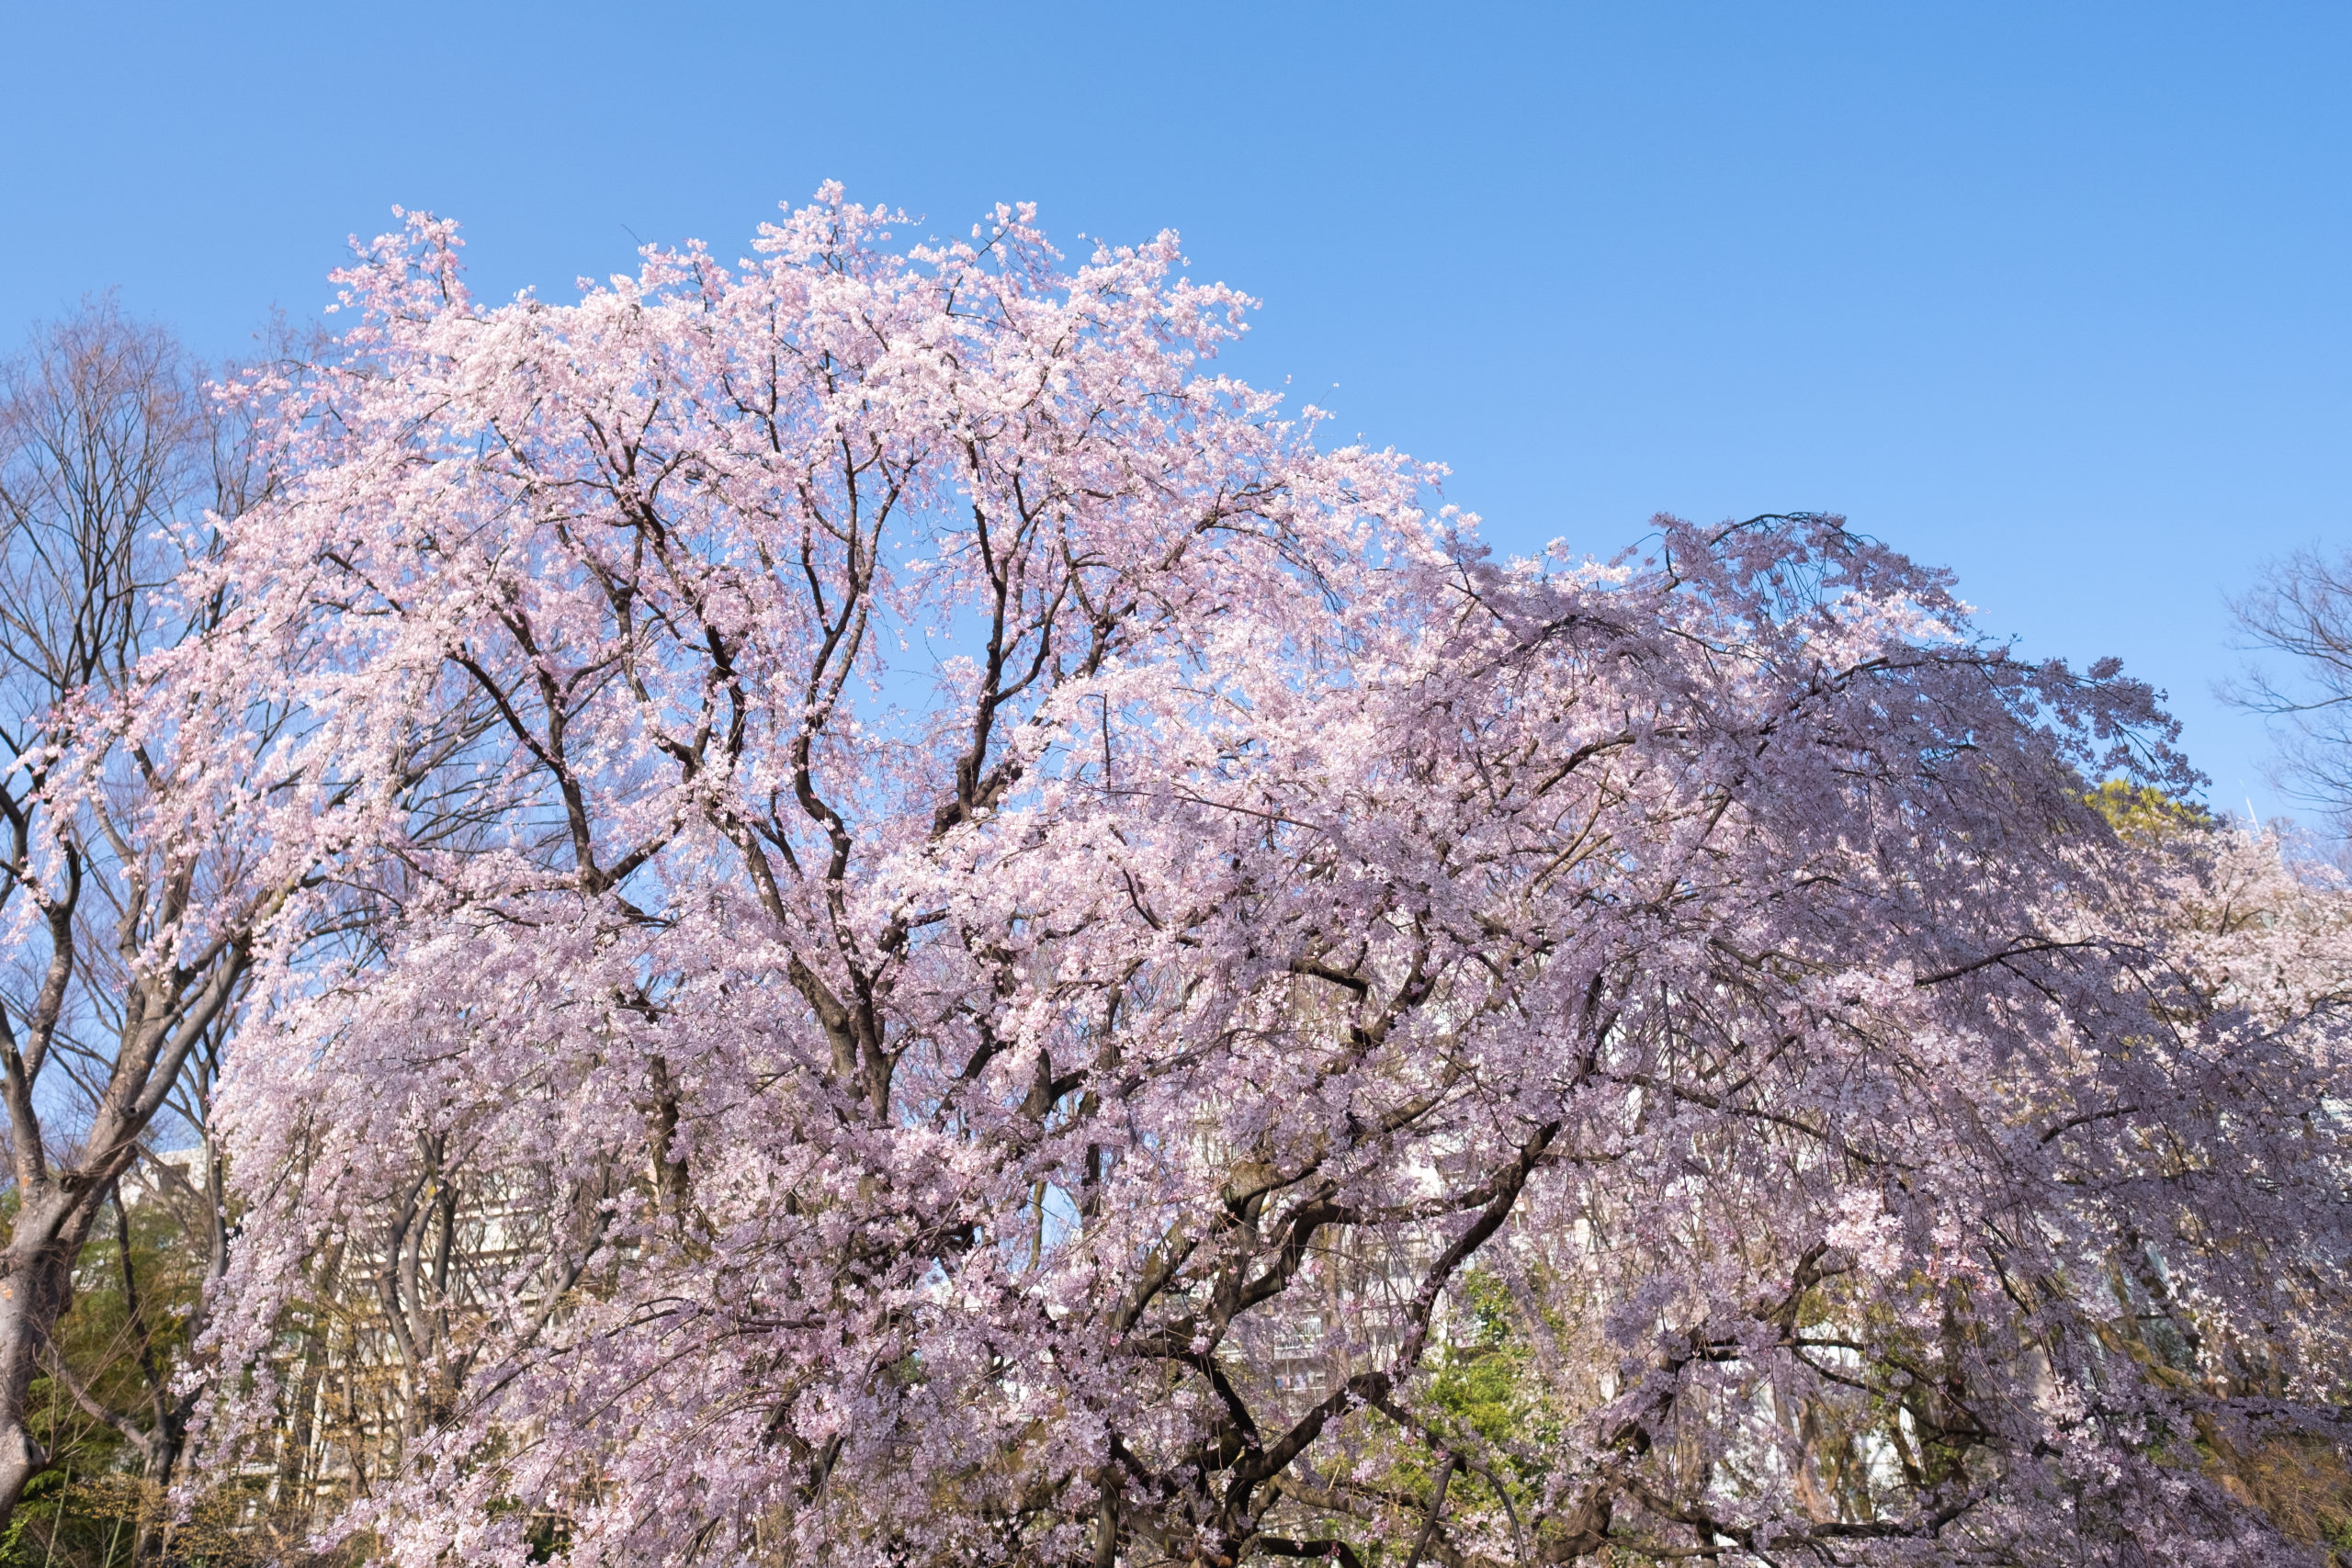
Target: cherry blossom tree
(923, 935)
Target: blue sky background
(2057, 295)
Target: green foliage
(102, 1345)
(1482, 1388)
(72, 1520)
(85, 1511)
(1481, 1377)
(2139, 811)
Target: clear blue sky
(2058, 295)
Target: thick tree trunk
(36, 1287)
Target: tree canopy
(907, 928)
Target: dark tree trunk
(36, 1287)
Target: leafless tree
(2302, 609)
(112, 453)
